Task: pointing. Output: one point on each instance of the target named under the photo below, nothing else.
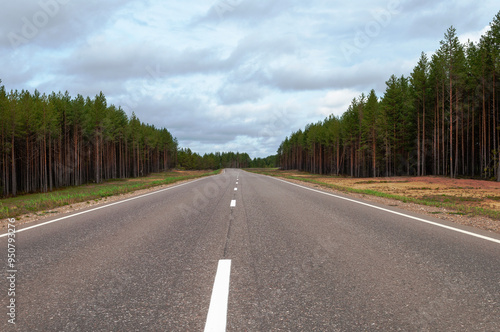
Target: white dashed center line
(233, 203)
(217, 312)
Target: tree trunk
(13, 161)
(423, 172)
(418, 144)
(451, 128)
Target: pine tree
(419, 81)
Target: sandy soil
(469, 192)
(474, 193)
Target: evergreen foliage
(48, 142)
(442, 120)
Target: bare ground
(465, 192)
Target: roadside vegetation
(42, 203)
(446, 196)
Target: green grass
(41, 202)
(440, 201)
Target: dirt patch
(441, 192)
(476, 193)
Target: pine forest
(441, 120)
(54, 141)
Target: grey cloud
(104, 61)
(264, 48)
(139, 61)
(222, 80)
(238, 93)
(52, 23)
(246, 11)
(306, 79)
(431, 19)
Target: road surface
(246, 252)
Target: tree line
(441, 120)
(192, 160)
(52, 141)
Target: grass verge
(39, 203)
(451, 203)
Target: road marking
(236, 182)
(102, 207)
(235, 189)
(397, 213)
(233, 203)
(217, 312)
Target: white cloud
(473, 36)
(336, 102)
(239, 80)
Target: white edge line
(102, 207)
(396, 213)
(217, 311)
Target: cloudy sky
(225, 75)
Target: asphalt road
(300, 260)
